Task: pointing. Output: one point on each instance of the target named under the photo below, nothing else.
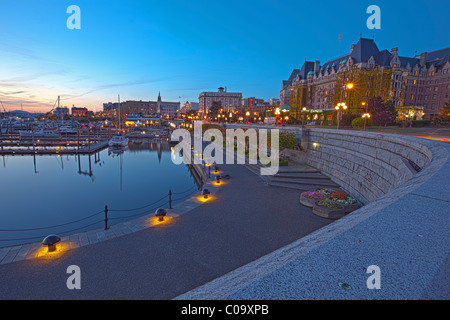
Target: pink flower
(313, 195)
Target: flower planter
(307, 202)
(327, 212)
(350, 207)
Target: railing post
(106, 218)
(170, 199)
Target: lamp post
(304, 115)
(365, 116)
(340, 106)
(284, 117)
(277, 113)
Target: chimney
(316, 66)
(394, 51)
(352, 48)
(423, 59)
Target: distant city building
(61, 111)
(132, 107)
(274, 102)
(422, 81)
(79, 112)
(228, 100)
(189, 106)
(110, 109)
(251, 102)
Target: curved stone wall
(366, 164)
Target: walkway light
(218, 178)
(205, 193)
(161, 213)
(50, 242)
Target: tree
(444, 114)
(392, 112)
(377, 110)
(215, 108)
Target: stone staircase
(300, 177)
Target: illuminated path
(268, 246)
(246, 221)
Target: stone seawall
(366, 164)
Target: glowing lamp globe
(206, 193)
(50, 242)
(161, 213)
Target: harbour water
(66, 194)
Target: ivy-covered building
(373, 73)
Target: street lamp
(304, 115)
(340, 106)
(365, 116)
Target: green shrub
(359, 122)
(347, 119)
(421, 123)
(287, 140)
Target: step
(308, 175)
(290, 186)
(310, 182)
(297, 186)
(289, 171)
(298, 169)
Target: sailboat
(119, 140)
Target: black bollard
(170, 199)
(106, 218)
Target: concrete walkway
(246, 221)
(405, 234)
(258, 242)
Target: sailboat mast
(120, 120)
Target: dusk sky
(181, 48)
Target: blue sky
(181, 48)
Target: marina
(78, 141)
(70, 191)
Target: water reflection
(51, 190)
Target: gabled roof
(335, 62)
(405, 60)
(306, 68)
(293, 75)
(383, 58)
(364, 49)
(443, 54)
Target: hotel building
(229, 101)
(421, 82)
